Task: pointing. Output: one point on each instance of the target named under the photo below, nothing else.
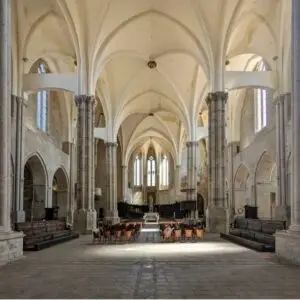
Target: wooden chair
(128, 235)
(167, 235)
(107, 235)
(118, 235)
(177, 234)
(96, 236)
(199, 234)
(188, 234)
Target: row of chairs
(117, 233)
(182, 234)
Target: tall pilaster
(288, 243)
(125, 182)
(19, 213)
(11, 243)
(85, 217)
(281, 207)
(5, 116)
(191, 170)
(232, 150)
(177, 183)
(111, 213)
(217, 215)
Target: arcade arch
(35, 188)
(265, 186)
(60, 193)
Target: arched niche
(60, 193)
(241, 189)
(265, 186)
(35, 189)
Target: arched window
(164, 172)
(42, 103)
(260, 96)
(151, 171)
(137, 171)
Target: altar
(151, 217)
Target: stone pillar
(281, 207)
(191, 194)
(69, 149)
(232, 150)
(288, 242)
(145, 172)
(177, 183)
(19, 213)
(217, 213)
(85, 217)
(11, 243)
(191, 170)
(111, 213)
(125, 182)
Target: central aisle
(149, 233)
(211, 269)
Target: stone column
(145, 176)
(281, 208)
(85, 217)
(19, 213)
(288, 242)
(69, 148)
(232, 150)
(217, 214)
(191, 174)
(111, 213)
(5, 116)
(125, 182)
(11, 243)
(177, 183)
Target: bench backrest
(265, 226)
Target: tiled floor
(209, 269)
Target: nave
(212, 269)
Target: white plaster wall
(253, 146)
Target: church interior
(149, 149)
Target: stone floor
(209, 269)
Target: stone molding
(216, 96)
(192, 144)
(111, 144)
(80, 99)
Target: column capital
(18, 99)
(111, 144)
(178, 166)
(282, 98)
(124, 166)
(216, 96)
(192, 143)
(79, 99)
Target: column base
(112, 217)
(11, 246)
(217, 219)
(70, 219)
(287, 245)
(19, 216)
(282, 213)
(85, 221)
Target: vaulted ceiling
(112, 42)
